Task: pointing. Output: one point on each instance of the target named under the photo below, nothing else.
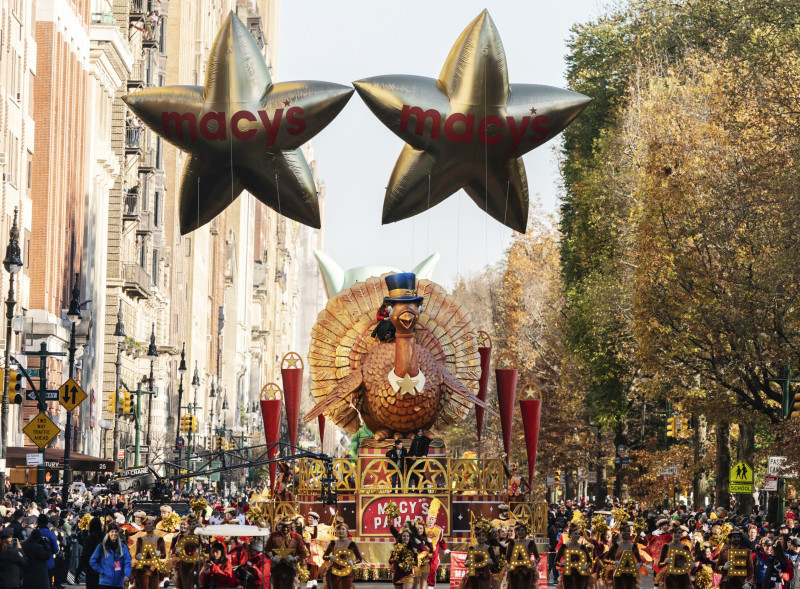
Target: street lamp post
(212, 395)
(152, 353)
(119, 336)
(13, 264)
(74, 316)
(223, 424)
(196, 385)
(181, 371)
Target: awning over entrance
(54, 459)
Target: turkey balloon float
(423, 379)
(467, 129)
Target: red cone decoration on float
(485, 352)
(321, 423)
(530, 406)
(292, 375)
(271, 397)
(506, 395)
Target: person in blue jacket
(111, 560)
(48, 537)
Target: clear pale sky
(346, 41)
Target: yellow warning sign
(70, 395)
(741, 478)
(41, 430)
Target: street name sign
(70, 395)
(670, 470)
(132, 472)
(41, 430)
(741, 478)
(49, 395)
(775, 466)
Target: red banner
(506, 395)
(375, 522)
(483, 385)
(531, 410)
(457, 568)
(542, 568)
(321, 423)
(292, 387)
(271, 414)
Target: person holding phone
(12, 560)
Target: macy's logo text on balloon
(214, 125)
(466, 132)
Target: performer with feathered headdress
(575, 558)
(479, 558)
(627, 559)
(338, 575)
(519, 550)
(675, 559)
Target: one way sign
(70, 395)
(49, 395)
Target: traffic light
(14, 387)
(796, 406)
(112, 402)
(217, 442)
(557, 478)
(672, 427)
(186, 423)
(127, 402)
(194, 422)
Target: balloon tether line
(486, 171)
(428, 236)
(278, 190)
(505, 215)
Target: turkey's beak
(406, 319)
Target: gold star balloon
(467, 129)
(241, 131)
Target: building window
(142, 253)
(156, 208)
(29, 182)
(13, 160)
(27, 251)
(154, 277)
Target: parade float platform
(365, 485)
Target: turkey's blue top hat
(402, 288)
